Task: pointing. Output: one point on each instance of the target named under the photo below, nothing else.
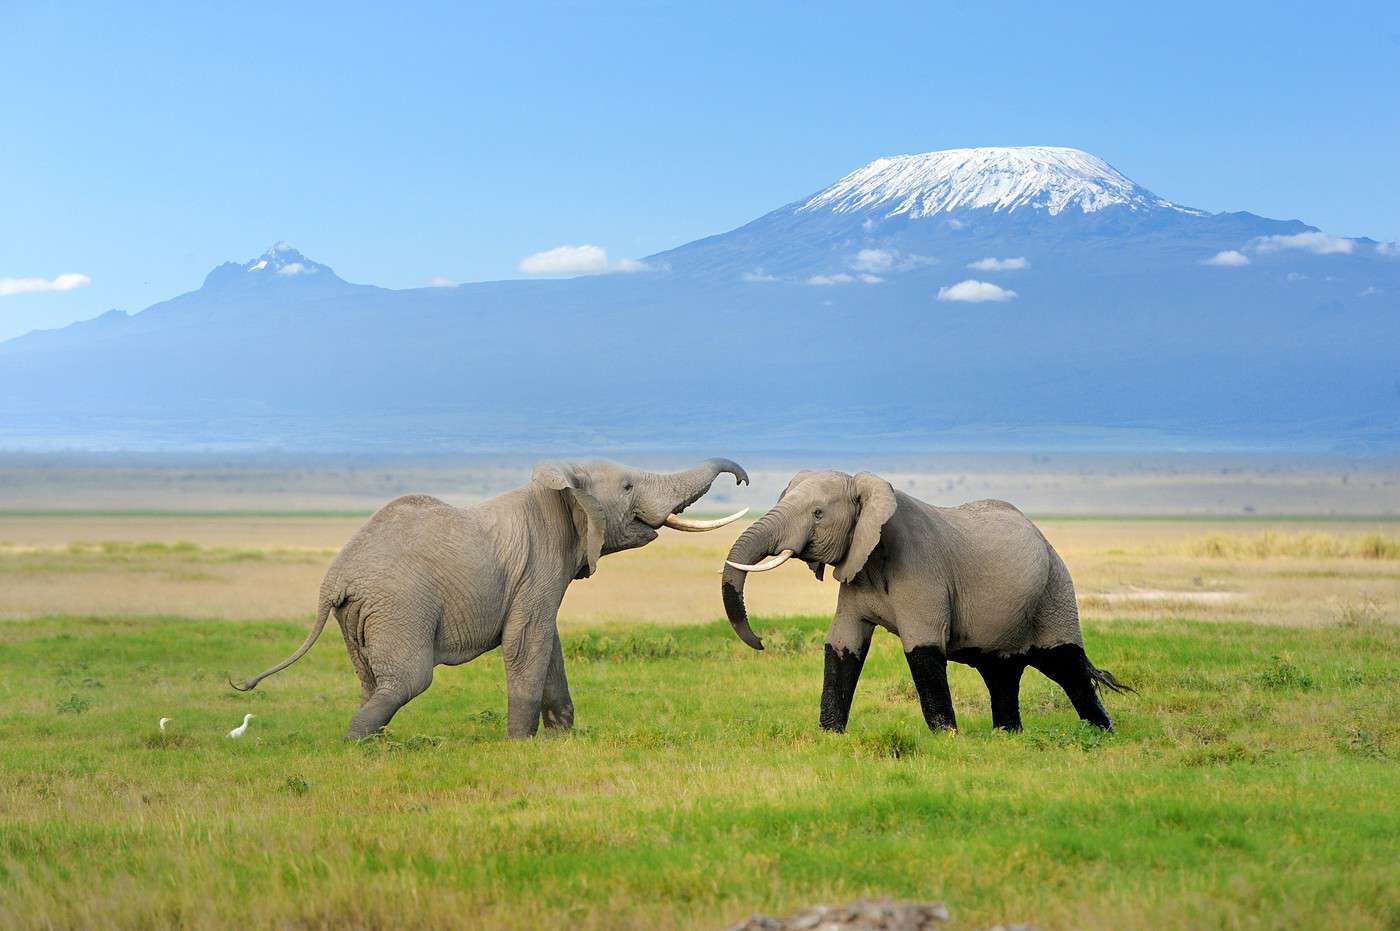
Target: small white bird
(163, 722)
(238, 731)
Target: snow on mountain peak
(997, 178)
(279, 264)
(283, 259)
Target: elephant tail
(1106, 679)
(323, 611)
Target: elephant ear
(587, 513)
(875, 498)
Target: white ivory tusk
(770, 563)
(676, 522)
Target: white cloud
(867, 224)
(441, 281)
(1295, 276)
(871, 279)
(577, 260)
(975, 292)
(1371, 291)
(294, 268)
(566, 260)
(1000, 265)
(1391, 249)
(873, 261)
(759, 276)
(1317, 243)
(1229, 258)
(955, 223)
(67, 282)
(884, 261)
(838, 278)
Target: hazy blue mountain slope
(817, 325)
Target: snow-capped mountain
(1034, 296)
(284, 260)
(280, 264)
(1045, 178)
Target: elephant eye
(817, 514)
(627, 486)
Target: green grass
(1252, 784)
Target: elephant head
(823, 518)
(616, 508)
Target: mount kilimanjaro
(1028, 296)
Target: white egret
(238, 731)
(163, 722)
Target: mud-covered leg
(847, 644)
(929, 667)
(1069, 668)
(1003, 679)
(558, 706)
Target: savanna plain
(1251, 782)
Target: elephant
(424, 583)
(976, 584)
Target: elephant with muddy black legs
(976, 584)
(424, 583)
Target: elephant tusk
(770, 563)
(676, 522)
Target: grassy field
(1272, 570)
(1251, 783)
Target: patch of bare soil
(864, 915)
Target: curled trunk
(753, 544)
(691, 485)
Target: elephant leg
(929, 667)
(527, 647)
(1003, 678)
(396, 682)
(1068, 667)
(558, 706)
(847, 644)
(348, 616)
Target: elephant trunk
(691, 485)
(753, 544)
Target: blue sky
(142, 144)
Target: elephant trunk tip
(733, 468)
(738, 616)
(247, 686)
(749, 637)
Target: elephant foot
(559, 719)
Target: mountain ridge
(901, 323)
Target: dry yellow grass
(1273, 545)
(244, 567)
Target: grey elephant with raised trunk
(976, 584)
(425, 584)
